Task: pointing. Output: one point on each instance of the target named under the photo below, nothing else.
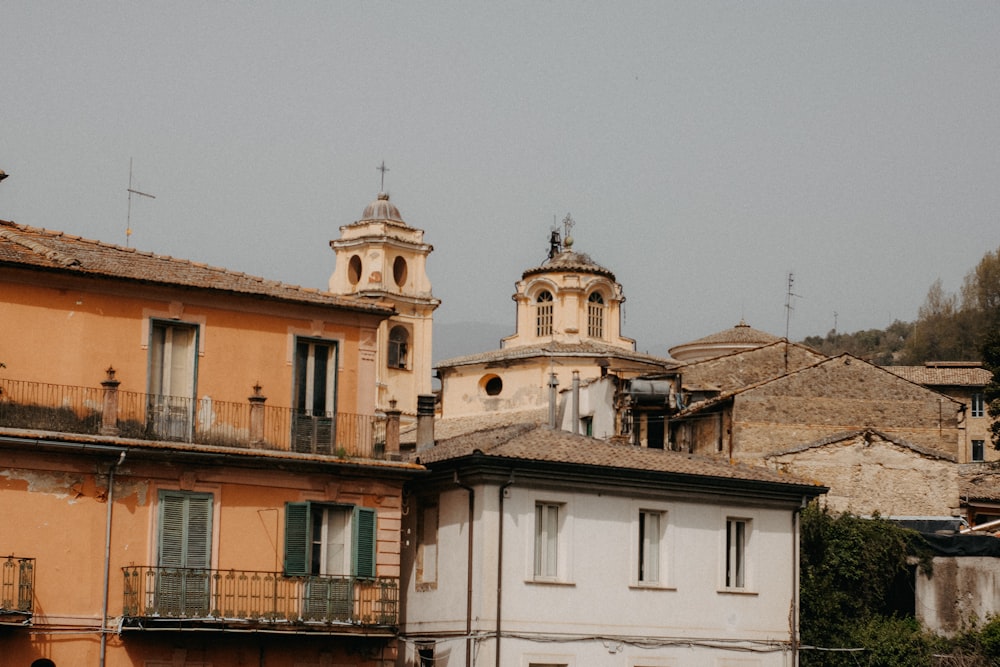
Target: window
(427, 526)
(977, 450)
(492, 385)
(595, 316)
(399, 271)
(543, 316)
(354, 270)
(328, 539)
(315, 396)
(977, 405)
(172, 379)
(546, 540)
(650, 539)
(184, 553)
(737, 534)
(330, 545)
(399, 340)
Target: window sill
(736, 591)
(426, 586)
(651, 587)
(549, 582)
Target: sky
(706, 150)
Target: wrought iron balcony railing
(206, 421)
(258, 597)
(17, 585)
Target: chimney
(553, 395)
(425, 421)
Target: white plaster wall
(598, 594)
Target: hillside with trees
(949, 327)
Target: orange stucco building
(192, 468)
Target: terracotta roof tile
(42, 249)
(585, 348)
(970, 374)
(530, 442)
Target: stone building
(532, 547)
(568, 325)
(964, 381)
(381, 259)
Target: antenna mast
(788, 302)
(128, 219)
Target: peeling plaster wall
(958, 592)
(877, 476)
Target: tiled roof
(35, 248)
(741, 334)
(968, 374)
(979, 484)
(587, 348)
(530, 442)
(571, 261)
(452, 427)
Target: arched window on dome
(399, 344)
(543, 315)
(595, 315)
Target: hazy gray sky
(705, 149)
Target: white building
(533, 547)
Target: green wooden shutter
(296, 539)
(185, 529)
(363, 557)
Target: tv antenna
(132, 191)
(788, 301)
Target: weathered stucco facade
(870, 473)
(191, 468)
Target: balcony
(187, 597)
(17, 589)
(107, 411)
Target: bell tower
(380, 257)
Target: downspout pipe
(468, 566)
(107, 555)
(500, 514)
(796, 566)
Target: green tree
(849, 568)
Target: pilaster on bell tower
(381, 257)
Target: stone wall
(867, 474)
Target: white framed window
(547, 540)
(650, 553)
(978, 408)
(738, 532)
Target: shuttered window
(317, 539)
(184, 554)
(185, 529)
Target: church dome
(741, 337)
(382, 209)
(570, 260)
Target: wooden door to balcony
(172, 380)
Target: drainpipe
(107, 555)
(468, 591)
(576, 402)
(796, 564)
(500, 514)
